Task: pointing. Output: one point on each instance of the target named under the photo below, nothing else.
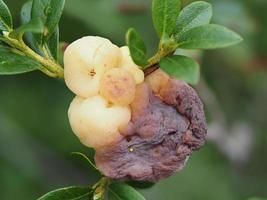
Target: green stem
(157, 57)
(166, 48)
(100, 188)
(46, 54)
(50, 67)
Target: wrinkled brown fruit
(165, 129)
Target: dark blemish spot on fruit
(172, 132)
(92, 73)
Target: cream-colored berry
(128, 64)
(95, 122)
(118, 86)
(86, 60)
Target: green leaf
(181, 67)
(121, 191)
(53, 44)
(39, 10)
(69, 193)
(85, 157)
(164, 14)
(14, 63)
(137, 47)
(25, 15)
(5, 17)
(53, 12)
(50, 12)
(209, 36)
(195, 14)
(33, 26)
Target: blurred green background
(36, 140)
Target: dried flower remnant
(164, 130)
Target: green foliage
(188, 29)
(37, 39)
(13, 63)
(165, 13)
(39, 10)
(53, 43)
(53, 12)
(137, 47)
(50, 13)
(194, 15)
(181, 67)
(5, 17)
(33, 26)
(256, 198)
(25, 15)
(69, 193)
(119, 191)
(209, 36)
(91, 164)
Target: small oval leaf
(181, 67)
(69, 193)
(121, 191)
(50, 13)
(137, 47)
(209, 36)
(39, 10)
(5, 17)
(53, 44)
(25, 15)
(195, 14)
(164, 14)
(53, 12)
(13, 63)
(33, 26)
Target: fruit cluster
(142, 128)
(104, 78)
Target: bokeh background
(36, 140)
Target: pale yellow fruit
(85, 61)
(157, 80)
(128, 64)
(118, 86)
(96, 123)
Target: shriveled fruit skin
(118, 86)
(96, 123)
(128, 64)
(167, 128)
(86, 60)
